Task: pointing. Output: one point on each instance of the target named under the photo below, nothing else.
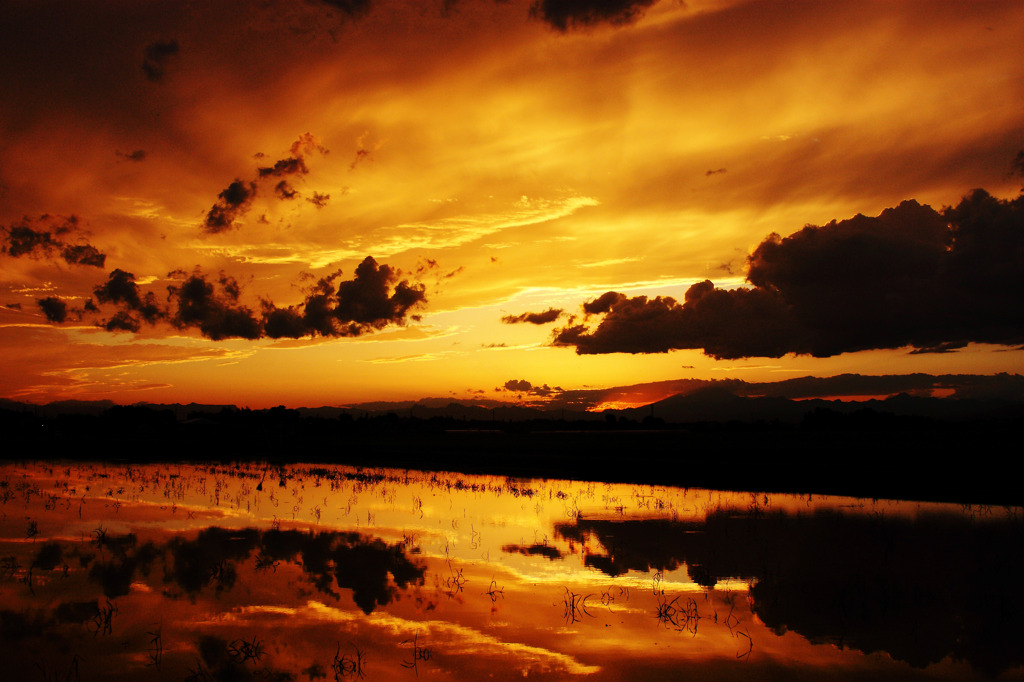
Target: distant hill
(945, 397)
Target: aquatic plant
(574, 606)
(418, 654)
(345, 665)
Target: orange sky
(502, 158)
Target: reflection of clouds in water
(142, 538)
(451, 639)
(463, 641)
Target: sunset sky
(324, 202)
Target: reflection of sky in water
(246, 572)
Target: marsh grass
(418, 654)
(345, 665)
(574, 606)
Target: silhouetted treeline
(863, 451)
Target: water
(181, 572)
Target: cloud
(156, 58)
(287, 166)
(137, 155)
(55, 309)
(45, 238)
(22, 240)
(237, 199)
(231, 204)
(564, 15)
(283, 190)
(375, 298)
(524, 386)
(83, 254)
(319, 200)
(121, 289)
(518, 385)
(372, 300)
(213, 310)
(602, 303)
(912, 276)
(549, 315)
(353, 9)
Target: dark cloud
(524, 386)
(549, 315)
(231, 204)
(946, 347)
(83, 254)
(602, 303)
(122, 321)
(372, 300)
(536, 549)
(521, 385)
(213, 310)
(360, 155)
(45, 237)
(22, 240)
(425, 264)
(55, 309)
(156, 58)
(137, 155)
(319, 200)
(235, 201)
(353, 9)
(121, 289)
(564, 15)
(911, 276)
(288, 166)
(375, 298)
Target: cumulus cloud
(376, 297)
(55, 309)
(912, 276)
(156, 58)
(564, 15)
(373, 299)
(46, 237)
(549, 315)
(602, 303)
(121, 289)
(524, 386)
(214, 310)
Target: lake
(307, 572)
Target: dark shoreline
(884, 458)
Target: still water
(188, 572)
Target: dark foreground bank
(870, 455)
